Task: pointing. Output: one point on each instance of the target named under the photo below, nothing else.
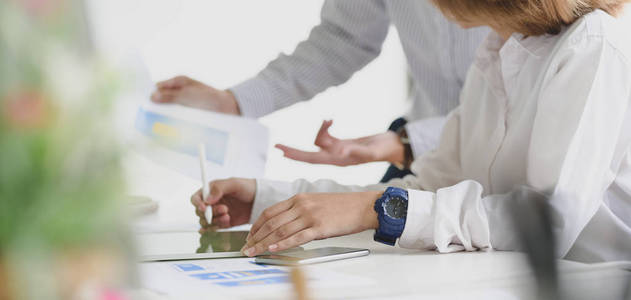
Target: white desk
(398, 273)
(410, 274)
(407, 274)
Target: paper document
(170, 135)
(233, 277)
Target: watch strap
(408, 155)
(388, 240)
(389, 229)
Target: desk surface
(410, 274)
(404, 274)
(398, 273)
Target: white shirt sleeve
(575, 151)
(424, 134)
(349, 36)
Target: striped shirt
(350, 35)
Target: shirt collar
(494, 47)
(501, 61)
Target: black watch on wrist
(408, 156)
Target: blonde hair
(528, 17)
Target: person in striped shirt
(350, 35)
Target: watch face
(397, 208)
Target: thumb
(216, 192)
(324, 139)
(222, 188)
(174, 83)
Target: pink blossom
(41, 7)
(26, 110)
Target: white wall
(225, 42)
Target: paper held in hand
(170, 134)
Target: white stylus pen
(205, 187)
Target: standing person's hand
(333, 151)
(231, 201)
(189, 92)
(307, 217)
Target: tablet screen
(190, 245)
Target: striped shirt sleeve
(349, 36)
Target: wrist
(371, 220)
(408, 156)
(396, 150)
(232, 105)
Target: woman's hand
(333, 151)
(307, 217)
(231, 201)
(190, 92)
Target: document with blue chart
(170, 135)
(235, 276)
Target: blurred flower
(26, 110)
(41, 7)
(62, 229)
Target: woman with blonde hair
(545, 104)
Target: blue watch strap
(390, 228)
(384, 239)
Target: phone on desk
(312, 256)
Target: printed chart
(256, 274)
(234, 276)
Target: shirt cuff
(255, 98)
(419, 225)
(424, 135)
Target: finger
(155, 97)
(174, 83)
(269, 213)
(164, 96)
(270, 242)
(319, 157)
(165, 84)
(272, 225)
(196, 200)
(295, 240)
(202, 222)
(220, 209)
(222, 221)
(324, 139)
(217, 189)
(221, 188)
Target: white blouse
(550, 112)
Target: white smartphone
(312, 256)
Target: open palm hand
(345, 152)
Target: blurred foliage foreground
(61, 232)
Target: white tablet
(190, 245)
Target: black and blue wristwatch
(392, 209)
